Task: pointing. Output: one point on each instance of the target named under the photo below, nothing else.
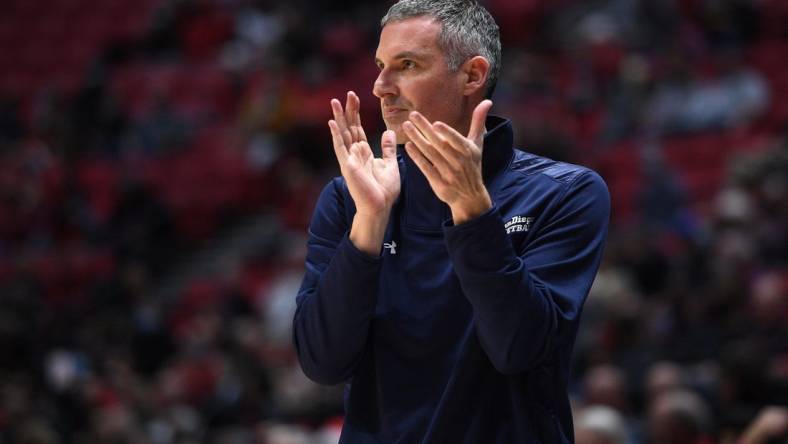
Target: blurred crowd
(136, 136)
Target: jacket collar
(498, 147)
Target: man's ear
(476, 70)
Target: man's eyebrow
(407, 55)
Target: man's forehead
(413, 38)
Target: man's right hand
(373, 183)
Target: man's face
(414, 76)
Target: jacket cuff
(479, 245)
(354, 256)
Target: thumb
(388, 144)
(477, 120)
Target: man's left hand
(452, 162)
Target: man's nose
(384, 86)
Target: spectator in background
(664, 377)
(606, 385)
(662, 198)
(679, 417)
(688, 103)
(162, 130)
(597, 424)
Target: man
(444, 281)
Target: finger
(353, 115)
(388, 144)
(422, 144)
(356, 150)
(425, 127)
(349, 104)
(340, 149)
(364, 151)
(452, 137)
(424, 165)
(361, 134)
(352, 109)
(477, 120)
(437, 158)
(339, 118)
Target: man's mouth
(392, 111)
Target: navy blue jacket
(456, 333)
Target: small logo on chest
(518, 224)
(392, 247)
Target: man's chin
(397, 128)
(401, 137)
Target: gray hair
(467, 30)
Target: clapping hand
(452, 162)
(373, 182)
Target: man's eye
(408, 64)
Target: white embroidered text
(518, 224)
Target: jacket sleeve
(337, 298)
(527, 304)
